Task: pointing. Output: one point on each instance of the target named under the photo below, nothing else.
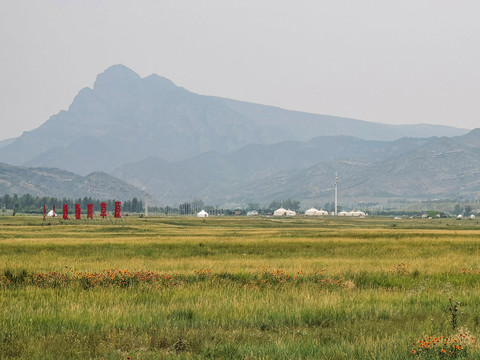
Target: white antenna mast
(336, 192)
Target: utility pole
(336, 192)
(146, 205)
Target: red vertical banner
(103, 210)
(54, 213)
(118, 209)
(78, 212)
(65, 212)
(44, 212)
(90, 211)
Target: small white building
(51, 213)
(358, 213)
(291, 213)
(314, 212)
(311, 212)
(202, 213)
(280, 212)
(283, 212)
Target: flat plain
(239, 288)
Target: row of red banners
(78, 211)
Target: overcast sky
(399, 62)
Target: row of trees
(466, 210)
(34, 204)
(28, 203)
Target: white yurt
(358, 214)
(459, 216)
(311, 212)
(280, 212)
(322, 212)
(472, 216)
(202, 213)
(291, 213)
(342, 213)
(51, 213)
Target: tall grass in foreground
(378, 292)
(225, 320)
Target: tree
(185, 208)
(468, 210)
(274, 205)
(7, 201)
(457, 210)
(134, 205)
(253, 206)
(16, 206)
(198, 204)
(291, 204)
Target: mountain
(60, 183)
(125, 118)
(442, 168)
(407, 168)
(219, 176)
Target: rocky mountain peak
(115, 76)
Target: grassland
(239, 288)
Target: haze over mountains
(178, 145)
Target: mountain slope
(6, 142)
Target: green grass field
(239, 288)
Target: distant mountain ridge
(441, 168)
(407, 168)
(60, 183)
(126, 118)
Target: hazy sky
(408, 61)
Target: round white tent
(358, 213)
(291, 213)
(311, 212)
(280, 212)
(342, 213)
(202, 213)
(315, 212)
(51, 213)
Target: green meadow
(239, 288)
